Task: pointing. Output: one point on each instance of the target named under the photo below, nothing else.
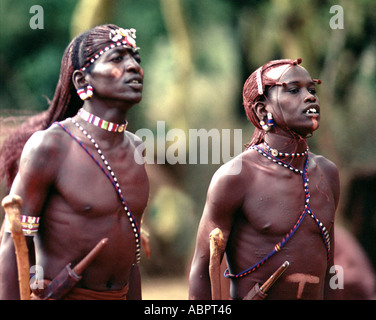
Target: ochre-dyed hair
(65, 102)
(251, 94)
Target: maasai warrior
(281, 205)
(78, 174)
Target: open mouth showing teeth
(312, 111)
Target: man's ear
(79, 79)
(260, 110)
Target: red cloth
(86, 294)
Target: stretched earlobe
(265, 118)
(84, 90)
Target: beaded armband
(30, 225)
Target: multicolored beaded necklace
(103, 124)
(276, 153)
(279, 245)
(111, 176)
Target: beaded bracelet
(29, 224)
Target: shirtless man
(279, 183)
(59, 182)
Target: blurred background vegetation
(196, 56)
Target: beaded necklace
(103, 124)
(276, 153)
(279, 245)
(276, 160)
(111, 176)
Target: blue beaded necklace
(306, 210)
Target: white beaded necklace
(114, 181)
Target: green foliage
(30, 59)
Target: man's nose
(309, 97)
(132, 66)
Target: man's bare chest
(93, 183)
(274, 203)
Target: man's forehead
(122, 49)
(295, 74)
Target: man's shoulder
(325, 164)
(237, 171)
(48, 142)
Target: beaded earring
(85, 95)
(270, 120)
(270, 124)
(264, 126)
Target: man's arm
(36, 172)
(9, 288)
(224, 198)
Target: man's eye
(117, 59)
(312, 91)
(137, 58)
(294, 90)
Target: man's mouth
(135, 83)
(312, 111)
(134, 79)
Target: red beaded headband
(120, 37)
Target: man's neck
(286, 143)
(105, 138)
(114, 112)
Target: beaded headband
(120, 37)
